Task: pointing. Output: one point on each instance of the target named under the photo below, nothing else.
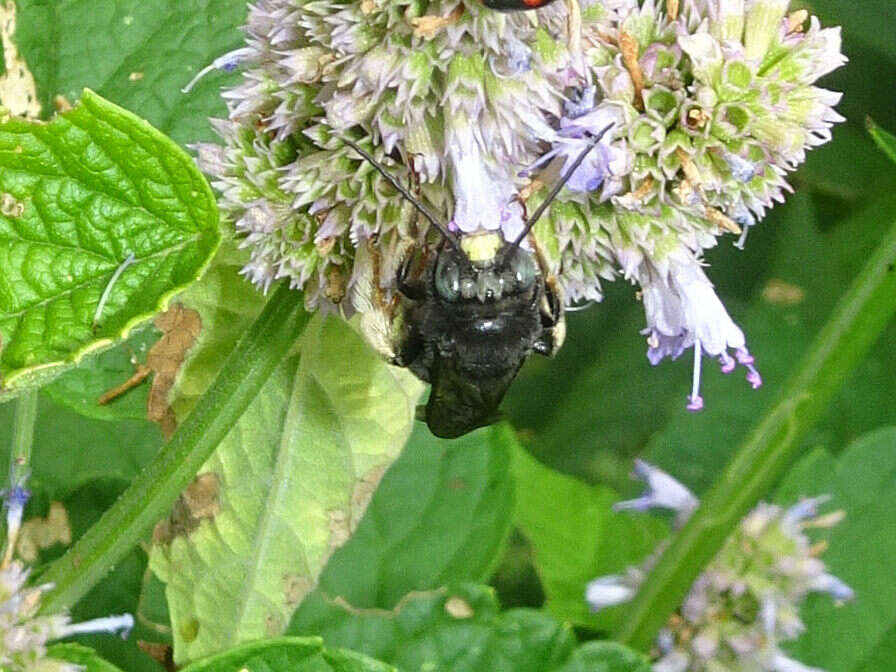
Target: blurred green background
(465, 510)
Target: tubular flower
(479, 113)
(746, 603)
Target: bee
(515, 5)
(469, 315)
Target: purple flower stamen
(753, 377)
(227, 63)
(695, 401)
(728, 363)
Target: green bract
(103, 220)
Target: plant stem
(770, 446)
(22, 437)
(19, 469)
(151, 494)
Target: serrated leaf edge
(8, 386)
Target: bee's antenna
(545, 204)
(422, 209)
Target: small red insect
(515, 5)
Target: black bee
(469, 316)
(515, 5)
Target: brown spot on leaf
(61, 103)
(340, 528)
(296, 588)
(40, 533)
(180, 328)
(363, 491)
(780, 293)
(458, 608)
(18, 91)
(274, 625)
(161, 653)
(11, 206)
(198, 502)
(342, 523)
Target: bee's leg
(376, 266)
(384, 321)
(410, 276)
(552, 313)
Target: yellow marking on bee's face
(481, 246)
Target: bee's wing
(458, 405)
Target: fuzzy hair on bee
(468, 313)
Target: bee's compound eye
(521, 270)
(447, 279)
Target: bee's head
(484, 270)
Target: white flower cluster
(746, 603)
(710, 104)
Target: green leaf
(441, 515)
(461, 629)
(605, 657)
(287, 654)
(576, 536)
(599, 400)
(71, 450)
(140, 54)
(97, 202)
(292, 478)
(884, 140)
(81, 655)
(857, 636)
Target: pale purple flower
(782, 663)
(604, 166)
(683, 312)
(663, 492)
(484, 198)
(674, 661)
(830, 584)
(120, 625)
(226, 63)
(608, 591)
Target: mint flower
(746, 602)
(663, 492)
(710, 103)
(23, 634)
